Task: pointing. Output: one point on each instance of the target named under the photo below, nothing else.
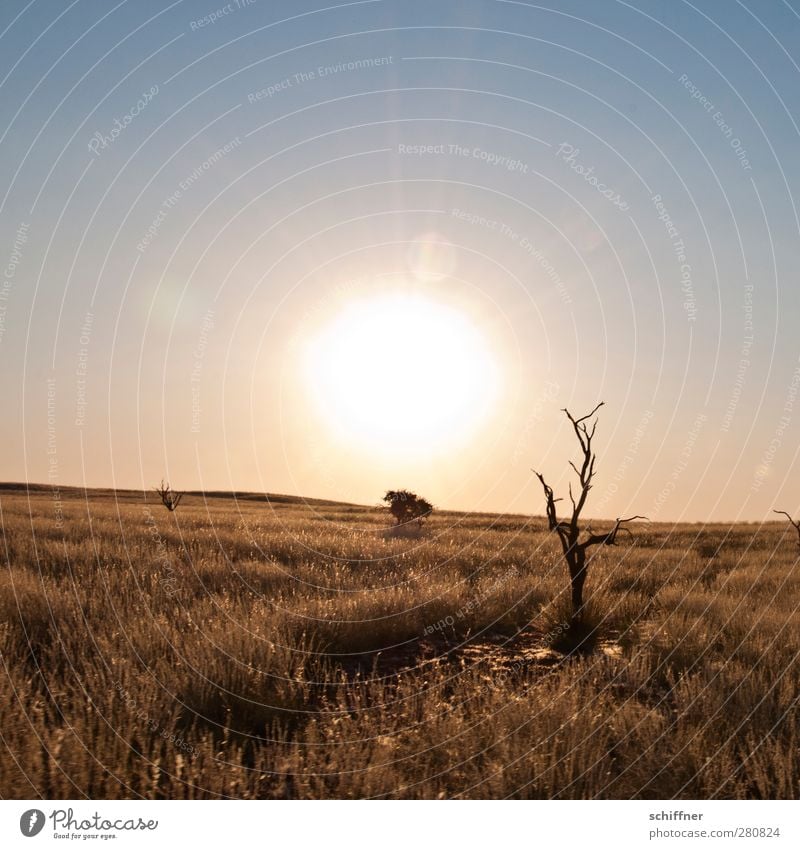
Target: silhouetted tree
(169, 498)
(795, 525)
(407, 506)
(569, 531)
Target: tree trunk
(577, 576)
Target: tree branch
(581, 431)
(611, 537)
(552, 518)
(795, 525)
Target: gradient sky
(161, 284)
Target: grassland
(252, 649)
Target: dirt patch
(497, 653)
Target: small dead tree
(795, 525)
(169, 498)
(569, 530)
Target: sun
(401, 374)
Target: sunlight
(401, 373)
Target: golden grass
(251, 650)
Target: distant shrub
(169, 498)
(407, 506)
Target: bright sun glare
(402, 373)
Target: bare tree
(795, 525)
(569, 530)
(169, 498)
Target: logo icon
(31, 822)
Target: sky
(332, 249)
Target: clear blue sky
(605, 191)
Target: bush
(407, 506)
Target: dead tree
(169, 498)
(795, 525)
(569, 530)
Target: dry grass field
(251, 649)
